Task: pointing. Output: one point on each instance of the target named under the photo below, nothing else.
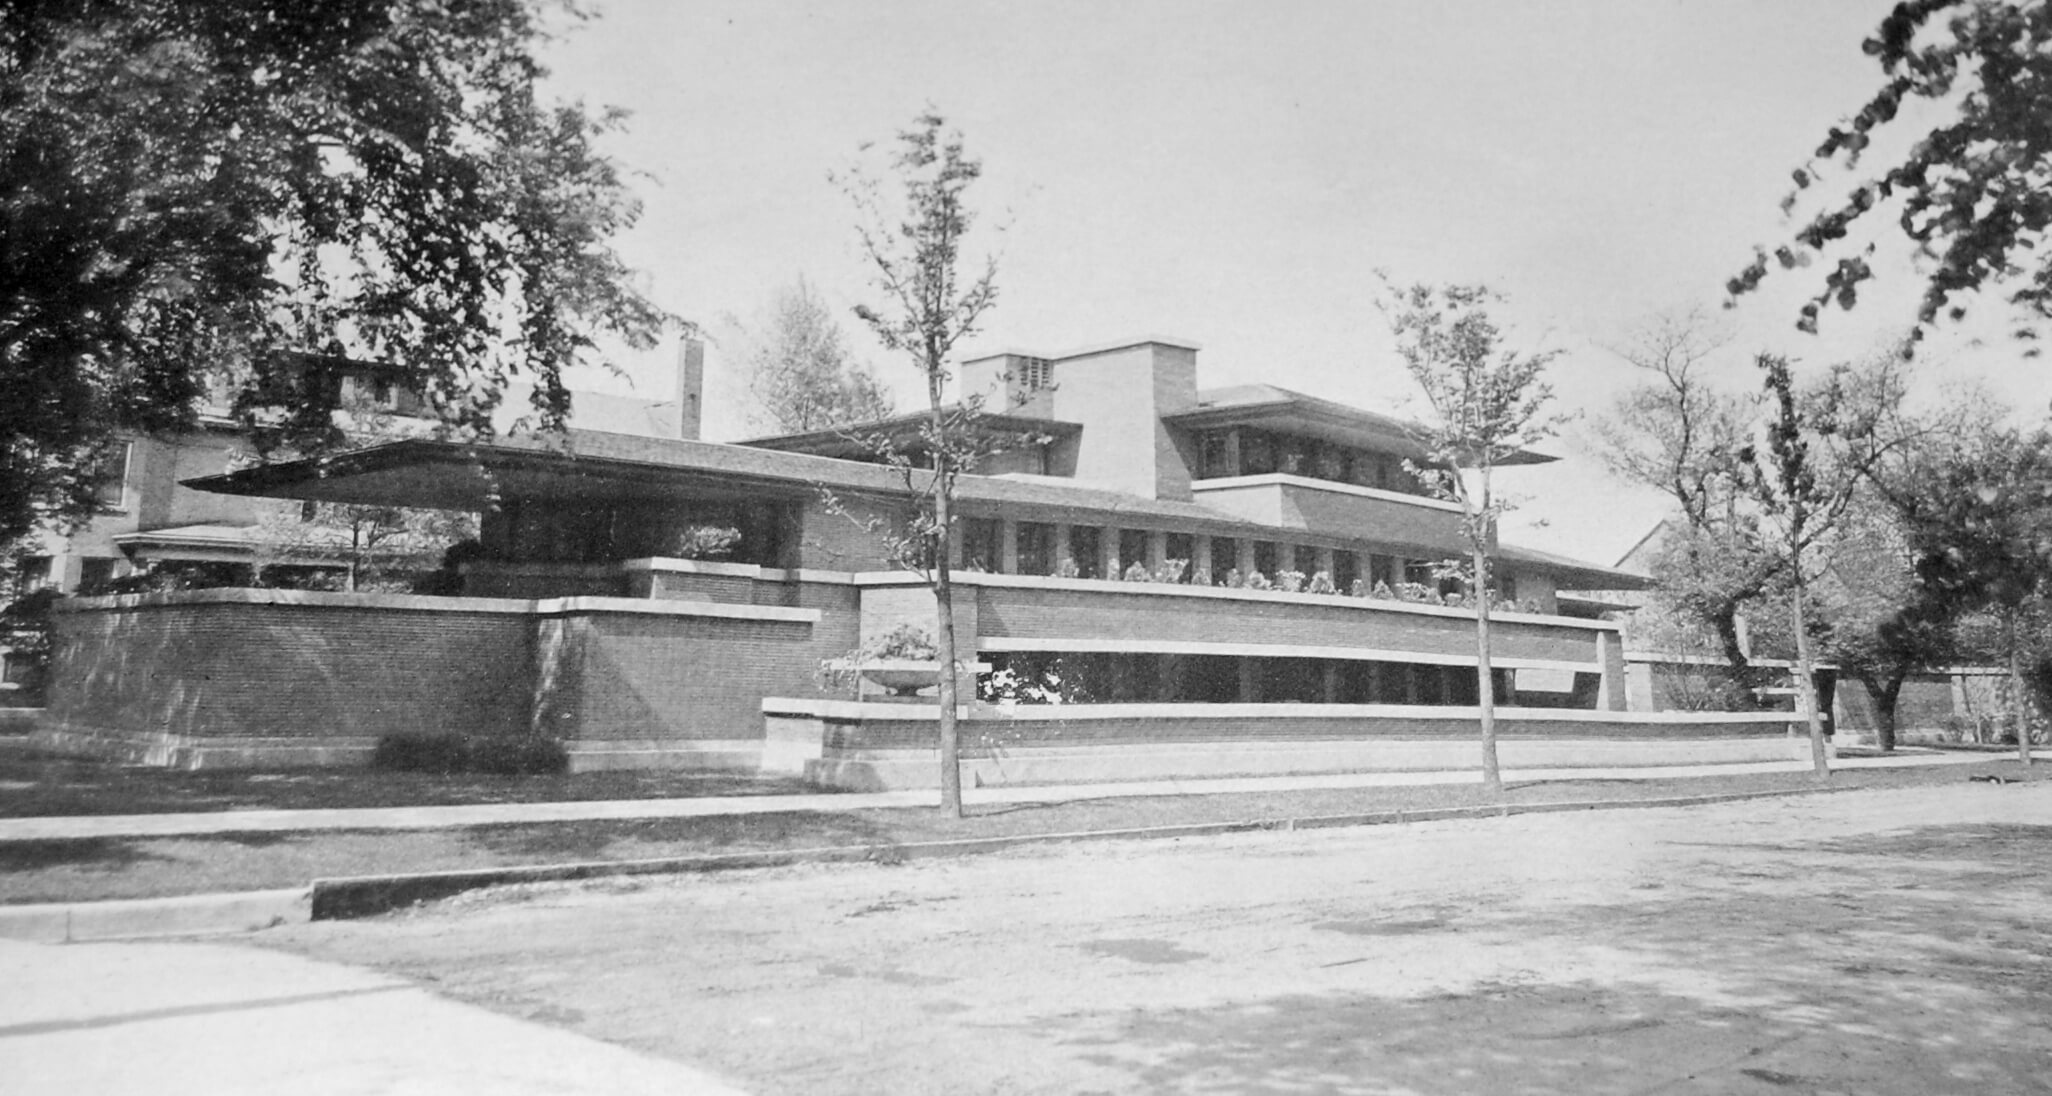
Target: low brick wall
(877, 746)
(259, 678)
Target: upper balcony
(1326, 508)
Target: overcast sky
(1233, 174)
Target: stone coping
(737, 570)
(854, 709)
(560, 606)
(1269, 597)
(1286, 479)
(1271, 650)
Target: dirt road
(1865, 942)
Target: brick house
(582, 623)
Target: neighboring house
(1252, 511)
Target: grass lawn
(97, 868)
(37, 785)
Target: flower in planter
(1138, 573)
(1234, 580)
(1066, 568)
(707, 541)
(1321, 583)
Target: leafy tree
(800, 370)
(201, 187)
(914, 247)
(1983, 537)
(1818, 446)
(1879, 623)
(1489, 405)
(1970, 192)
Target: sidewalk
(416, 818)
(168, 1019)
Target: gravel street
(1859, 942)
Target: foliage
(800, 370)
(906, 641)
(252, 190)
(707, 542)
(1031, 680)
(1489, 405)
(1969, 194)
(1979, 524)
(499, 755)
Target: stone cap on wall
(425, 603)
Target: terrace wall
(243, 678)
(879, 746)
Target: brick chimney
(690, 386)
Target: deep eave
(589, 466)
(1267, 407)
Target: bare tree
(1489, 405)
(1679, 434)
(913, 244)
(800, 371)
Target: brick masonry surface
(258, 670)
(339, 667)
(1117, 614)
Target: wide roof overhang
(1265, 407)
(588, 466)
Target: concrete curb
(135, 918)
(370, 895)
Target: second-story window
(111, 477)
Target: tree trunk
(1485, 683)
(1806, 687)
(2018, 717)
(944, 605)
(1884, 696)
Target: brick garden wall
(285, 677)
(1152, 612)
(260, 663)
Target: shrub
(1171, 571)
(1067, 569)
(1201, 577)
(1321, 583)
(1138, 573)
(906, 641)
(707, 541)
(509, 755)
(1259, 581)
(1234, 580)
(1382, 592)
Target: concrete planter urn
(906, 676)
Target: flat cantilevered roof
(590, 466)
(1267, 407)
